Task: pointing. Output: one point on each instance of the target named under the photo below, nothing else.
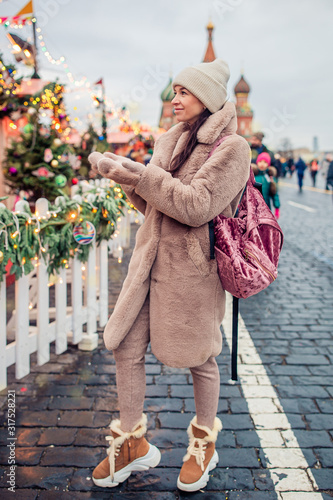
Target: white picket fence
(34, 325)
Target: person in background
(300, 166)
(265, 174)
(290, 166)
(284, 166)
(258, 147)
(314, 167)
(138, 152)
(278, 166)
(329, 177)
(324, 163)
(149, 152)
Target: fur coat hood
(271, 171)
(170, 264)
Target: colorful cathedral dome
(242, 87)
(168, 93)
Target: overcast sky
(284, 48)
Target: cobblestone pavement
(277, 440)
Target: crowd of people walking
(285, 166)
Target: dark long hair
(191, 142)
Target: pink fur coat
(171, 260)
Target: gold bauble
(54, 163)
(1, 256)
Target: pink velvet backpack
(247, 247)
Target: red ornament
(75, 180)
(42, 172)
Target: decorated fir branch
(13, 103)
(55, 236)
(40, 161)
(40, 164)
(19, 243)
(9, 102)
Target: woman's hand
(119, 169)
(94, 158)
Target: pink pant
(131, 377)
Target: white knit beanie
(207, 81)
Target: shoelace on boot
(197, 448)
(113, 452)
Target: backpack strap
(211, 239)
(217, 143)
(236, 213)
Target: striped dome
(168, 93)
(242, 87)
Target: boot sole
(151, 459)
(202, 482)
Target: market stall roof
(32, 86)
(125, 137)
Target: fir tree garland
(26, 237)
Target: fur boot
(128, 452)
(201, 456)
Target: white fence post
(61, 303)
(91, 285)
(3, 336)
(22, 327)
(90, 339)
(56, 324)
(103, 283)
(76, 300)
(43, 354)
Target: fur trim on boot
(201, 456)
(127, 452)
(137, 432)
(211, 434)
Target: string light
(68, 213)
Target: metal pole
(34, 21)
(235, 308)
(104, 122)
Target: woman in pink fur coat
(172, 296)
